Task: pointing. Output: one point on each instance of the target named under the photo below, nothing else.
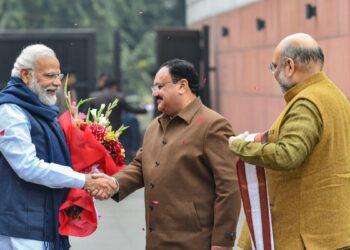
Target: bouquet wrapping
(94, 147)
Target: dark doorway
(76, 50)
(191, 45)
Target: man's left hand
(238, 137)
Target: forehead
(162, 75)
(47, 63)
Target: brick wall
(243, 89)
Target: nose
(57, 82)
(155, 93)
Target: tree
(135, 19)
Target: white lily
(103, 120)
(93, 112)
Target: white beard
(41, 92)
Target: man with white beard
(35, 164)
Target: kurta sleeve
(227, 203)
(130, 178)
(18, 149)
(300, 132)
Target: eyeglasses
(54, 76)
(159, 86)
(273, 67)
(51, 76)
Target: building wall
(201, 9)
(243, 89)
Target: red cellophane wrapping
(77, 215)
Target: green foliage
(136, 20)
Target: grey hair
(29, 56)
(304, 55)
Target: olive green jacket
(308, 167)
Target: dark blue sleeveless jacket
(29, 210)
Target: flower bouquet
(94, 147)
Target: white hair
(29, 56)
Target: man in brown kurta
(307, 157)
(191, 194)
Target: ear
(291, 67)
(183, 86)
(26, 76)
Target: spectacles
(273, 67)
(159, 86)
(54, 76)
(51, 76)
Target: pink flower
(74, 106)
(81, 116)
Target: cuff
(226, 238)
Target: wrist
(87, 180)
(116, 182)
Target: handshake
(101, 186)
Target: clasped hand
(100, 186)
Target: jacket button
(230, 235)
(151, 207)
(151, 185)
(150, 228)
(157, 163)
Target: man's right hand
(102, 187)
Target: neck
(183, 104)
(188, 99)
(306, 71)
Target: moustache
(51, 88)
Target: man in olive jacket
(191, 193)
(307, 157)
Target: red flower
(98, 131)
(116, 150)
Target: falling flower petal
(200, 119)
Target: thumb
(98, 175)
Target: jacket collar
(186, 114)
(291, 93)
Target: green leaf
(120, 131)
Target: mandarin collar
(186, 114)
(291, 93)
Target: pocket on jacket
(181, 215)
